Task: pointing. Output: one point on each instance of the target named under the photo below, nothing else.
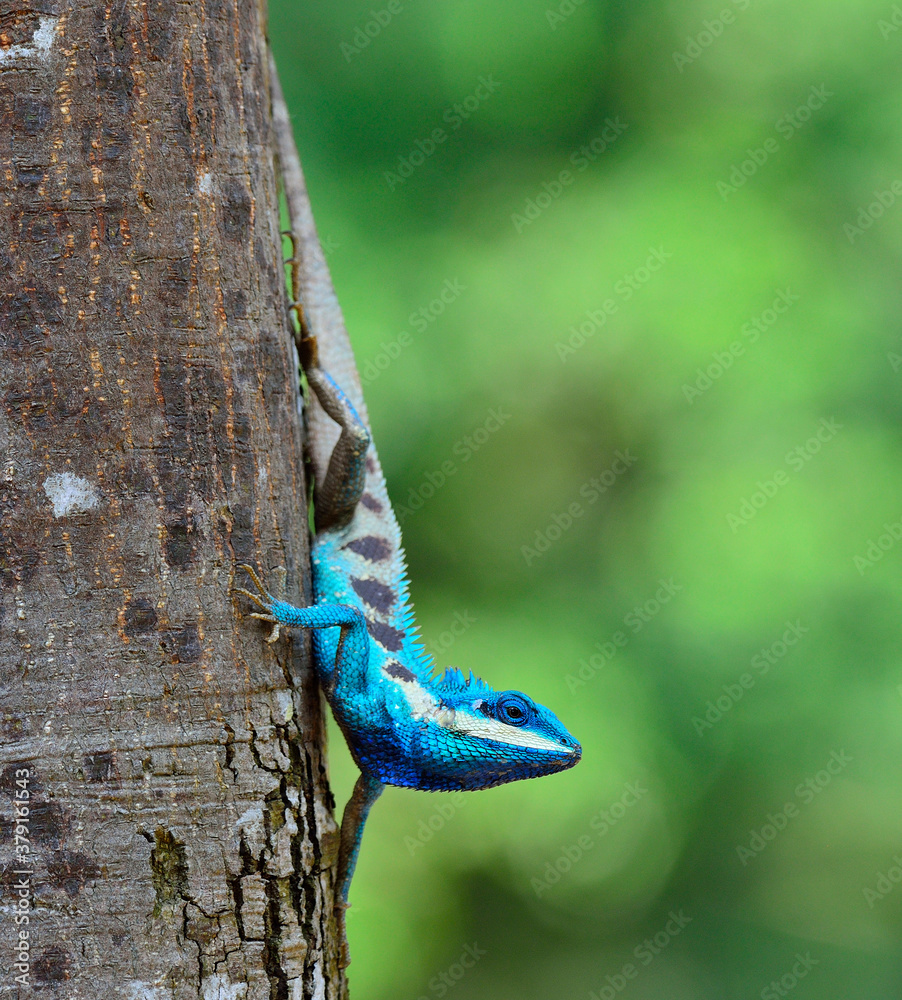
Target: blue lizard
(403, 725)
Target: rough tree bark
(165, 821)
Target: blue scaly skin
(404, 726)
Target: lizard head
(500, 736)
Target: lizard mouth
(576, 754)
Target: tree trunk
(165, 821)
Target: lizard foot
(264, 599)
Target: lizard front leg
(346, 685)
(347, 681)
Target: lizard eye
(513, 709)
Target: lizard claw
(264, 599)
(246, 593)
(276, 625)
(258, 583)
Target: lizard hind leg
(335, 499)
(366, 791)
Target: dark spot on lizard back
(370, 547)
(370, 464)
(387, 637)
(395, 669)
(374, 593)
(371, 503)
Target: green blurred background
(756, 166)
